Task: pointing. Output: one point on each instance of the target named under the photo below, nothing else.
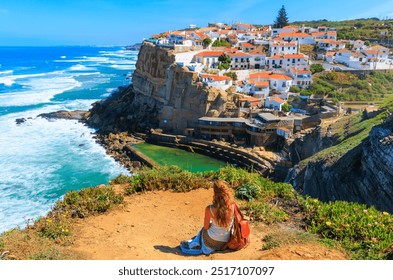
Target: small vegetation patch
(165, 178)
(287, 237)
(366, 232)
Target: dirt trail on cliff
(151, 225)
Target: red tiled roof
(300, 71)
(261, 84)
(269, 75)
(294, 34)
(277, 99)
(247, 45)
(237, 54)
(210, 53)
(257, 52)
(215, 77)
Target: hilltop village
(262, 69)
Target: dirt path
(151, 226)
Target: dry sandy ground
(151, 225)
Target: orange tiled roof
(300, 71)
(238, 54)
(269, 75)
(257, 52)
(261, 84)
(247, 45)
(215, 77)
(294, 34)
(210, 53)
(277, 99)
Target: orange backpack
(240, 232)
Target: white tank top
(219, 233)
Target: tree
(282, 18)
(206, 42)
(316, 68)
(225, 61)
(286, 107)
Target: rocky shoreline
(115, 146)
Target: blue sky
(122, 22)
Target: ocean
(41, 160)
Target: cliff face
(364, 174)
(162, 95)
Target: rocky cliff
(162, 95)
(364, 174)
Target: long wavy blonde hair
(222, 201)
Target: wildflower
(315, 200)
(328, 223)
(365, 211)
(385, 213)
(370, 216)
(369, 225)
(374, 239)
(49, 220)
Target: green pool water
(185, 160)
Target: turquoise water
(41, 160)
(185, 160)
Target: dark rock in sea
(67, 115)
(81, 145)
(20, 121)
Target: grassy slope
(266, 201)
(367, 29)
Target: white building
(221, 82)
(301, 78)
(274, 103)
(298, 37)
(287, 61)
(277, 48)
(257, 59)
(208, 58)
(330, 45)
(278, 82)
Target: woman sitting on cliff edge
(217, 224)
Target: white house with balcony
(330, 45)
(239, 60)
(281, 47)
(278, 82)
(301, 78)
(221, 82)
(286, 61)
(259, 89)
(208, 59)
(257, 59)
(298, 37)
(274, 103)
(352, 59)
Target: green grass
(364, 231)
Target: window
(293, 60)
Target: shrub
(316, 68)
(265, 212)
(166, 178)
(88, 201)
